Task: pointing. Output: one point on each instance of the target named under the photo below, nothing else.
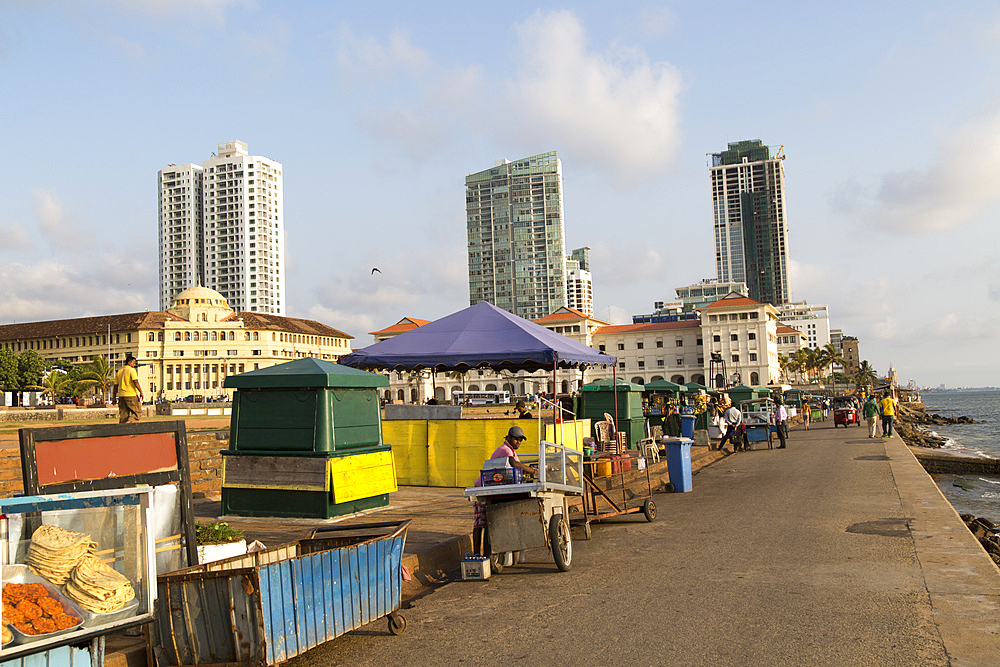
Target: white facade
(744, 333)
(180, 230)
(580, 290)
(655, 351)
(813, 321)
(236, 230)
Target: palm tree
(100, 376)
(55, 384)
(785, 363)
(830, 356)
(865, 375)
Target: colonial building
(187, 350)
(742, 334)
(655, 351)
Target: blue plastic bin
(679, 463)
(687, 426)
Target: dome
(200, 304)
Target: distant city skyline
(378, 110)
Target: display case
(74, 566)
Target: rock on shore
(912, 417)
(987, 533)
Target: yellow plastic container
(602, 469)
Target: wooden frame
(75, 452)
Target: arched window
(414, 396)
(246, 335)
(177, 335)
(151, 337)
(699, 379)
(508, 387)
(491, 387)
(439, 393)
(197, 336)
(637, 380)
(187, 335)
(656, 378)
(473, 387)
(754, 378)
(677, 379)
(256, 335)
(215, 335)
(400, 396)
(720, 381)
(232, 335)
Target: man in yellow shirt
(129, 391)
(888, 405)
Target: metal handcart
(758, 419)
(532, 514)
(611, 488)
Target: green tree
(56, 383)
(98, 375)
(8, 370)
(30, 367)
(865, 375)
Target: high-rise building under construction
(748, 207)
(514, 218)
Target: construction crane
(780, 154)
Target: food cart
(524, 515)
(844, 411)
(758, 418)
(74, 567)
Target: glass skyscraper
(514, 217)
(751, 234)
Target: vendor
(522, 411)
(508, 450)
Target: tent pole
(555, 395)
(614, 388)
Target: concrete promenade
(838, 550)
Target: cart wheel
(649, 509)
(560, 542)
(397, 624)
(496, 562)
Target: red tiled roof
(785, 329)
(405, 324)
(266, 321)
(726, 301)
(564, 313)
(648, 326)
(87, 325)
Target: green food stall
(306, 441)
(598, 398)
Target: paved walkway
(842, 537)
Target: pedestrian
(806, 413)
(780, 422)
(508, 449)
(734, 423)
(889, 406)
(870, 413)
(522, 411)
(128, 391)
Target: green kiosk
(306, 441)
(598, 398)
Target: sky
(888, 114)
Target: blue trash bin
(687, 426)
(679, 463)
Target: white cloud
(210, 10)
(366, 57)
(53, 290)
(962, 179)
(54, 223)
(13, 237)
(612, 110)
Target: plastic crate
(499, 476)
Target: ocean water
(969, 494)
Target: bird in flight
(376, 269)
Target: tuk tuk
(844, 411)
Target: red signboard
(78, 459)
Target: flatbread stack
(54, 552)
(97, 587)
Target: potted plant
(218, 540)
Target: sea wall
(939, 463)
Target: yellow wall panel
(362, 476)
(408, 439)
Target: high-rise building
(579, 282)
(222, 226)
(180, 230)
(514, 217)
(748, 206)
(811, 320)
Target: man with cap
(508, 450)
(128, 391)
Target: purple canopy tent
(480, 336)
